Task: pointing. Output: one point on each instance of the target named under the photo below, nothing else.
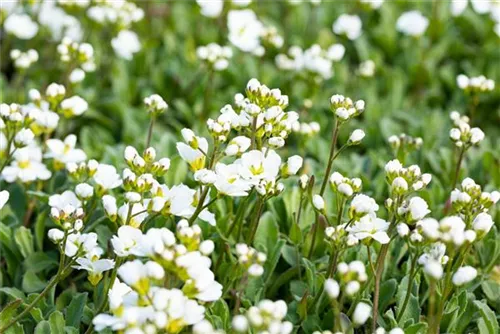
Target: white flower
(244, 30)
(412, 23)
(109, 204)
(418, 208)
(357, 136)
(24, 137)
(257, 165)
(128, 241)
(370, 227)
(4, 197)
(433, 268)
(293, 165)
(94, 267)
(210, 8)
(27, 166)
(361, 313)
(205, 176)
(403, 229)
(65, 151)
(362, 205)
(62, 201)
(77, 75)
(21, 26)
(399, 185)
(107, 177)
(74, 106)
(55, 235)
(84, 190)
(464, 275)
(80, 243)
(229, 180)
(477, 135)
(126, 44)
(458, 6)
(482, 223)
(318, 202)
(240, 323)
(332, 288)
(349, 25)
(155, 103)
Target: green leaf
(43, 327)
(488, 322)
(56, 321)
(13, 293)
(387, 292)
(9, 310)
(32, 283)
(40, 230)
(39, 261)
(75, 310)
(419, 328)
(24, 241)
(266, 235)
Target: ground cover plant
(249, 166)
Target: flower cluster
(344, 107)
(215, 56)
(474, 85)
(314, 61)
(463, 135)
(251, 259)
(79, 56)
(266, 317)
(23, 60)
(344, 185)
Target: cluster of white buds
(367, 68)
(463, 135)
(79, 56)
(266, 317)
(270, 36)
(142, 305)
(405, 143)
(344, 108)
(251, 260)
(82, 171)
(146, 163)
(215, 56)
(344, 185)
(314, 62)
(184, 256)
(306, 129)
(404, 179)
(120, 13)
(190, 237)
(23, 60)
(155, 104)
(473, 85)
(219, 129)
(451, 231)
(351, 276)
(339, 236)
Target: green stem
(53, 282)
(330, 158)
(408, 289)
(150, 131)
(255, 222)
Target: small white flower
(332, 288)
(126, 44)
(464, 275)
(107, 177)
(434, 269)
(412, 23)
(21, 26)
(74, 106)
(240, 323)
(357, 136)
(361, 313)
(403, 229)
(482, 223)
(318, 202)
(349, 25)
